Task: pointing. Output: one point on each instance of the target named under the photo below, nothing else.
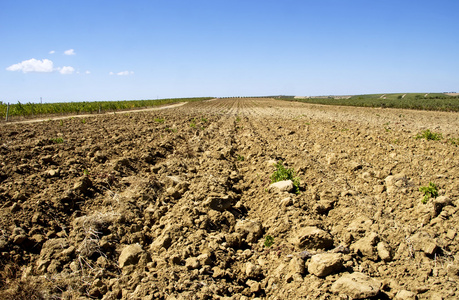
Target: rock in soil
(356, 286)
(130, 255)
(311, 237)
(324, 264)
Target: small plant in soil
(386, 126)
(430, 191)
(282, 173)
(429, 135)
(240, 158)
(453, 141)
(83, 121)
(204, 120)
(269, 241)
(57, 140)
(159, 120)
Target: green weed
(269, 241)
(170, 129)
(159, 120)
(282, 173)
(83, 121)
(453, 141)
(57, 140)
(240, 158)
(429, 135)
(430, 191)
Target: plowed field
(178, 204)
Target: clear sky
(88, 50)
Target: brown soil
(177, 204)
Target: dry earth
(177, 204)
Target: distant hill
(422, 101)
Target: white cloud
(52, 52)
(66, 70)
(123, 73)
(69, 52)
(87, 72)
(111, 73)
(33, 65)
(39, 66)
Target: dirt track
(178, 203)
(37, 120)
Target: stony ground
(178, 204)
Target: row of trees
(34, 109)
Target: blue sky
(115, 50)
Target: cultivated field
(178, 204)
